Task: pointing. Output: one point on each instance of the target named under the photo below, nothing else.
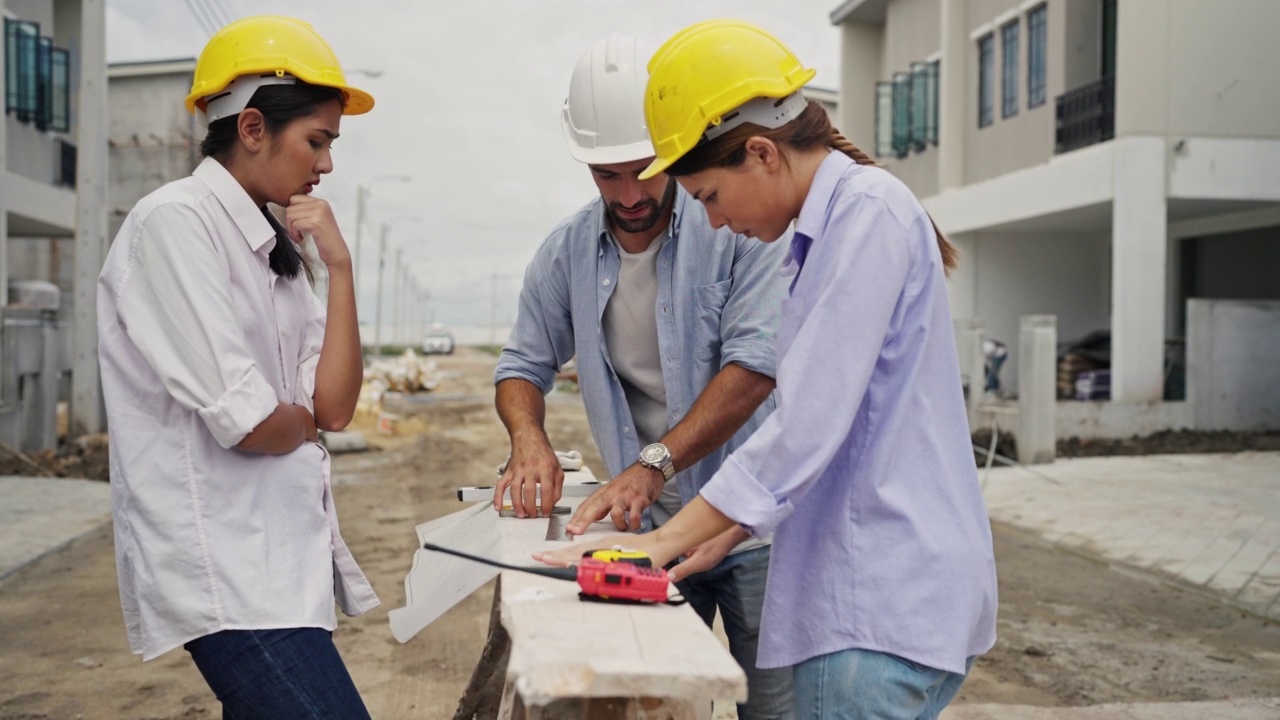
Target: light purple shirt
(865, 472)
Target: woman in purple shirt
(882, 585)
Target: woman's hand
(708, 554)
(313, 216)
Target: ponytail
(950, 256)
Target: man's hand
(532, 463)
(631, 492)
(708, 554)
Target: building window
(1009, 72)
(931, 128)
(1036, 21)
(907, 111)
(901, 114)
(60, 108)
(21, 41)
(37, 77)
(919, 105)
(986, 79)
(884, 119)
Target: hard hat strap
(766, 112)
(235, 97)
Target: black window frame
(1037, 55)
(901, 114)
(986, 79)
(919, 135)
(60, 91)
(21, 48)
(935, 78)
(1010, 40)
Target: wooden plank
(640, 660)
(436, 582)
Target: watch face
(653, 453)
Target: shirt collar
(673, 228)
(255, 228)
(813, 214)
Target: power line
(229, 10)
(214, 13)
(200, 19)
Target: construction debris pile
(408, 373)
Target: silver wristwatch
(658, 457)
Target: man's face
(633, 205)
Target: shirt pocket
(708, 301)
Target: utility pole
(382, 261)
(377, 322)
(398, 308)
(362, 199)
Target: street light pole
(362, 199)
(398, 308)
(382, 254)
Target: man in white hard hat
(673, 324)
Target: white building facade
(1113, 163)
(52, 215)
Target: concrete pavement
(1208, 523)
(41, 515)
(1253, 709)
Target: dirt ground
(1072, 631)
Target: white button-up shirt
(199, 340)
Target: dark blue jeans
(736, 588)
(289, 674)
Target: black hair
(279, 105)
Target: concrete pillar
(969, 337)
(953, 100)
(1037, 399)
(860, 62)
(87, 414)
(1139, 227)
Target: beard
(645, 223)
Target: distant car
(438, 342)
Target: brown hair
(811, 129)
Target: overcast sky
(469, 105)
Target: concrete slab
(1251, 709)
(40, 515)
(1208, 522)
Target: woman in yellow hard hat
(219, 365)
(882, 584)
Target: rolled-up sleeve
(175, 305)
(749, 321)
(309, 356)
(857, 275)
(542, 339)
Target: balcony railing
(1086, 115)
(65, 164)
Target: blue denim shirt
(719, 296)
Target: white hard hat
(603, 117)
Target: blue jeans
(290, 674)
(736, 587)
(866, 685)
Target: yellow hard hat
(270, 44)
(706, 71)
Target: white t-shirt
(631, 336)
